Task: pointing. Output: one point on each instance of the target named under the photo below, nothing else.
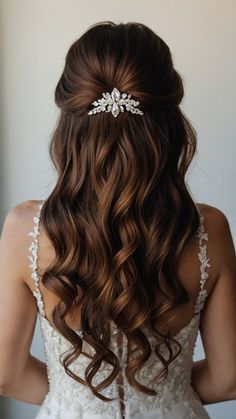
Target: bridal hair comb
(115, 102)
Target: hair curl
(120, 212)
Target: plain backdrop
(35, 36)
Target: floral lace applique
(202, 255)
(33, 260)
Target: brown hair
(120, 212)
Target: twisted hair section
(120, 212)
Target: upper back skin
(188, 267)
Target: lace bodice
(69, 399)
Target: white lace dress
(67, 399)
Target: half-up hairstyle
(120, 213)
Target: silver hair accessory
(115, 102)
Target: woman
(124, 266)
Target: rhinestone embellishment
(115, 102)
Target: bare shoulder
(22, 214)
(215, 219)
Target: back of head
(120, 213)
(129, 56)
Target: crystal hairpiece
(115, 102)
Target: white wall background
(35, 36)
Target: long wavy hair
(120, 213)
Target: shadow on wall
(4, 406)
(4, 412)
(2, 194)
(2, 183)
(13, 409)
(1, 151)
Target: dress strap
(204, 263)
(33, 260)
